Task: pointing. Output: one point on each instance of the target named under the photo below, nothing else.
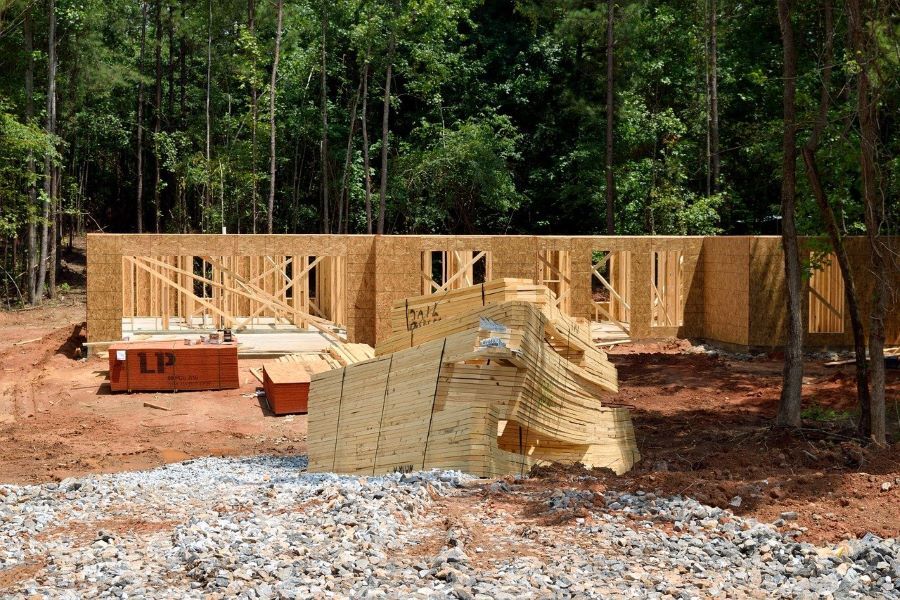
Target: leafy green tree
(461, 181)
(471, 116)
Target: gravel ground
(261, 528)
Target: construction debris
(156, 406)
(888, 354)
(489, 380)
(347, 354)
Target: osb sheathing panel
(641, 298)
(860, 260)
(768, 309)
(892, 323)
(859, 254)
(104, 299)
(726, 289)
(767, 292)
(360, 286)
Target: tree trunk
(708, 92)
(385, 116)
(186, 213)
(856, 323)
(789, 405)
(295, 186)
(343, 197)
(46, 228)
(326, 219)
(207, 194)
(254, 111)
(831, 225)
(365, 139)
(157, 122)
(54, 235)
(172, 196)
(280, 9)
(140, 124)
(31, 250)
(713, 97)
(170, 32)
(182, 78)
(610, 98)
(863, 49)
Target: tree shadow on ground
(704, 427)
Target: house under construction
(488, 350)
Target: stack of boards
(413, 313)
(172, 366)
(287, 384)
(347, 354)
(489, 380)
(286, 380)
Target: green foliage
(463, 176)
(19, 143)
(497, 115)
(825, 414)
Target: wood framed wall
(667, 295)
(336, 281)
(554, 268)
(161, 293)
(826, 297)
(611, 272)
(444, 270)
(730, 289)
(744, 293)
(398, 264)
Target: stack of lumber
(287, 383)
(287, 388)
(347, 354)
(312, 362)
(172, 366)
(286, 380)
(412, 313)
(488, 388)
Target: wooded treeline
(553, 116)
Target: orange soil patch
(59, 418)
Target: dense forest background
(420, 116)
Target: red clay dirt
(703, 425)
(58, 417)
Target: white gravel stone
(263, 528)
